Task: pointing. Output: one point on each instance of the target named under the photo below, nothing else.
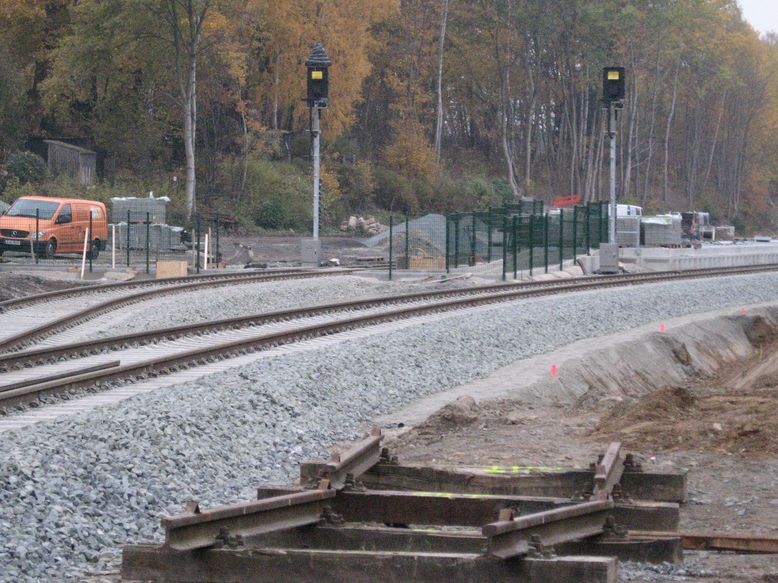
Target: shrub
(26, 166)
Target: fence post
(515, 246)
(127, 239)
(531, 242)
(561, 238)
(391, 244)
(407, 243)
(504, 246)
(197, 244)
(218, 254)
(586, 226)
(91, 239)
(448, 243)
(489, 235)
(575, 232)
(37, 230)
(456, 241)
(472, 242)
(545, 241)
(148, 239)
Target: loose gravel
(73, 490)
(235, 301)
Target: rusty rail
(608, 472)
(200, 529)
(358, 459)
(511, 537)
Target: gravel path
(76, 487)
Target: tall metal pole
(612, 136)
(316, 170)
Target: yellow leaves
(410, 152)
(330, 185)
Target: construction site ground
(723, 430)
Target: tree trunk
(439, 118)
(667, 131)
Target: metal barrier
(505, 241)
(77, 235)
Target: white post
(32, 249)
(113, 246)
(83, 256)
(612, 136)
(205, 259)
(316, 170)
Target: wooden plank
(516, 481)
(749, 543)
(149, 563)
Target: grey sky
(761, 14)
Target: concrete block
(609, 258)
(171, 269)
(310, 252)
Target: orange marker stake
(662, 328)
(553, 371)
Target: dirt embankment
(721, 428)
(13, 285)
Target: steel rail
(228, 349)
(608, 472)
(354, 462)
(23, 302)
(19, 341)
(201, 529)
(60, 375)
(514, 537)
(13, 360)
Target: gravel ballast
(73, 490)
(243, 300)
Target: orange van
(62, 225)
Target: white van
(627, 210)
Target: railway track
(24, 321)
(44, 371)
(367, 518)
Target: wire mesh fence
(506, 241)
(77, 234)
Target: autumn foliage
(434, 103)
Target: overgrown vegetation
(435, 105)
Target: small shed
(78, 163)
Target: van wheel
(95, 249)
(51, 249)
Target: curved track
(159, 352)
(24, 321)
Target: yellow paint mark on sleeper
(521, 469)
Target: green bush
(26, 166)
(272, 215)
(277, 197)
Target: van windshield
(26, 208)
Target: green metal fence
(507, 241)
